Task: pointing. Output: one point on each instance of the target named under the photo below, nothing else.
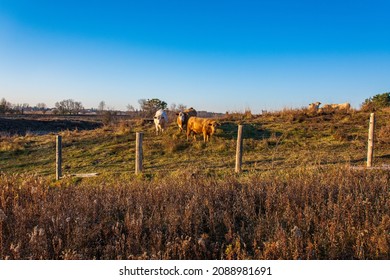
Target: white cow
(160, 121)
(344, 106)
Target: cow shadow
(229, 130)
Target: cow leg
(205, 138)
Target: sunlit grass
(282, 139)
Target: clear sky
(212, 55)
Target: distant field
(297, 197)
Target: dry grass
(11, 144)
(384, 134)
(316, 213)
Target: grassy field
(283, 140)
(297, 197)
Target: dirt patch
(23, 126)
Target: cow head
(212, 126)
(182, 116)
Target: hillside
(285, 139)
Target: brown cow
(183, 116)
(201, 125)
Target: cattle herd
(315, 107)
(188, 121)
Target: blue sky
(211, 55)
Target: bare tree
(181, 107)
(69, 106)
(130, 108)
(78, 107)
(173, 107)
(41, 106)
(20, 108)
(5, 106)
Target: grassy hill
(297, 197)
(285, 139)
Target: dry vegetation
(297, 198)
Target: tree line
(71, 107)
(19, 108)
(147, 106)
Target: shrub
(376, 102)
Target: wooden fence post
(58, 157)
(239, 150)
(370, 150)
(138, 152)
